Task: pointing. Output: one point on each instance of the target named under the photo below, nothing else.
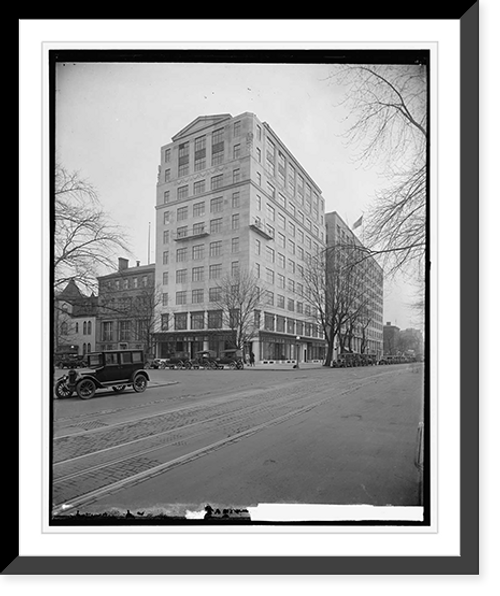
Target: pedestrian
(252, 359)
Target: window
(164, 299)
(259, 155)
(291, 286)
(181, 255)
(235, 268)
(237, 128)
(269, 276)
(181, 276)
(300, 307)
(215, 271)
(291, 179)
(291, 266)
(124, 330)
(183, 159)
(200, 153)
(182, 232)
(165, 257)
(259, 133)
(217, 146)
(235, 245)
(291, 304)
(182, 213)
(281, 281)
(183, 192)
(216, 182)
(216, 248)
(216, 205)
(166, 197)
(199, 187)
(269, 254)
(259, 178)
(268, 321)
(180, 320)
(280, 303)
(257, 246)
(214, 319)
(198, 228)
(236, 151)
(166, 236)
(168, 153)
(270, 149)
(199, 209)
(235, 200)
(107, 331)
(216, 226)
(165, 278)
(214, 294)
(269, 298)
(291, 246)
(166, 217)
(198, 273)
(197, 298)
(235, 221)
(236, 176)
(270, 212)
(167, 175)
(181, 297)
(281, 261)
(258, 202)
(198, 252)
(164, 322)
(281, 240)
(271, 190)
(257, 270)
(290, 326)
(280, 324)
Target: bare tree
(84, 237)
(388, 108)
(239, 296)
(334, 289)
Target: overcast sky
(112, 119)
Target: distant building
(391, 339)
(75, 321)
(233, 200)
(367, 331)
(127, 299)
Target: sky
(112, 119)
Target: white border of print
(445, 537)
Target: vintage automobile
(70, 361)
(115, 369)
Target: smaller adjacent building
(74, 321)
(126, 313)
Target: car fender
(141, 371)
(88, 376)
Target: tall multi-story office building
(232, 199)
(367, 331)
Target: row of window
(86, 328)
(125, 330)
(126, 283)
(215, 319)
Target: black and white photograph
(248, 302)
(240, 288)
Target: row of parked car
(204, 360)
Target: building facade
(367, 329)
(126, 314)
(391, 339)
(232, 200)
(75, 321)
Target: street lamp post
(297, 355)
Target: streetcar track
(153, 470)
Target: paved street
(239, 438)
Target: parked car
(116, 369)
(70, 361)
(157, 363)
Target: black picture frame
(467, 562)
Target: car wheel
(62, 390)
(140, 383)
(118, 388)
(86, 388)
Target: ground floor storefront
(266, 347)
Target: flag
(357, 223)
